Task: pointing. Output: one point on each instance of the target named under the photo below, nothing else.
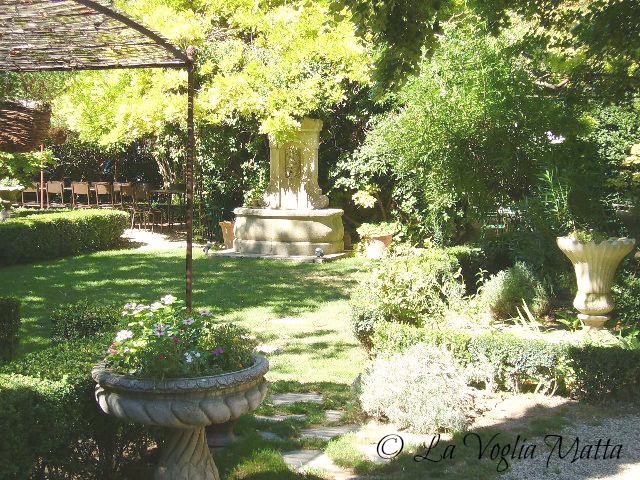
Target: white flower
(188, 357)
(205, 311)
(197, 354)
(155, 306)
(168, 299)
(130, 306)
(139, 308)
(554, 139)
(188, 321)
(123, 335)
(159, 329)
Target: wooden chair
(55, 188)
(104, 189)
(31, 189)
(143, 209)
(83, 189)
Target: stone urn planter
(184, 407)
(595, 265)
(375, 245)
(227, 233)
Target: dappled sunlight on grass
(249, 291)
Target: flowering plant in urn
(183, 371)
(595, 259)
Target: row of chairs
(136, 198)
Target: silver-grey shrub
(422, 389)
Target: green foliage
(402, 30)
(602, 372)
(594, 44)
(23, 166)
(473, 263)
(52, 426)
(52, 235)
(368, 230)
(626, 292)
(275, 62)
(389, 338)
(9, 326)
(515, 363)
(163, 340)
(469, 134)
(422, 389)
(83, 319)
(588, 236)
(412, 289)
(504, 292)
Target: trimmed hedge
(9, 326)
(515, 363)
(53, 428)
(84, 319)
(53, 235)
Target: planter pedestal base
(185, 455)
(593, 321)
(221, 435)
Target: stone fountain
(294, 220)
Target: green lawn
(250, 292)
(318, 352)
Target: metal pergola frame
(70, 35)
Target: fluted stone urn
(595, 265)
(184, 407)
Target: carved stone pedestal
(294, 220)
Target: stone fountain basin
(270, 231)
(184, 402)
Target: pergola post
(191, 52)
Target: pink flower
(217, 351)
(159, 329)
(112, 351)
(175, 339)
(205, 311)
(188, 321)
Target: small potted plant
(595, 259)
(183, 372)
(377, 237)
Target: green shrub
(84, 319)
(603, 372)
(52, 427)
(22, 212)
(390, 338)
(504, 292)
(473, 261)
(626, 293)
(509, 362)
(413, 289)
(422, 389)
(9, 326)
(52, 235)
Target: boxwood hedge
(9, 326)
(53, 235)
(516, 363)
(53, 428)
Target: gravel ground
(620, 430)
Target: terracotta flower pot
(374, 246)
(595, 265)
(184, 407)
